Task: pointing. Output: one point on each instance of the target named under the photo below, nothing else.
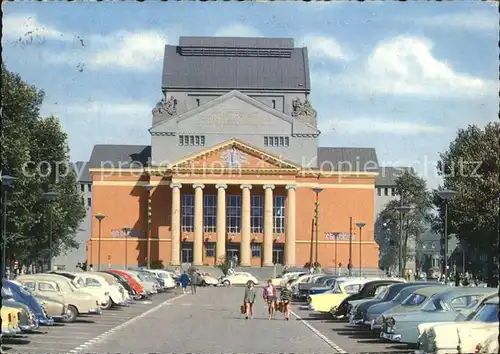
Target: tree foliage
(35, 151)
(471, 166)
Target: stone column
(290, 227)
(268, 226)
(220, 246)
(176, 224)
(245, 251)
(198, 225)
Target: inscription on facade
(234, 118)
(339, 236)
(121, 233)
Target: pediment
(235, 154)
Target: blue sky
(400, 77)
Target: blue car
(327, 285)
(21, 295)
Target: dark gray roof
(235, 63)
(81, 169)
(116, 156)
(346, 159)
(389, 174)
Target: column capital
(248, 186)
(221, 186)
(291, 186)
(268, 186)
(198, 185)
(175, 185)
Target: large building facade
(234, 169)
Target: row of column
(220, 248)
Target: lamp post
(7, 181)
(316, 190)
(402, 209)
(148, 225)
(50, 197)
(446, 195)
(126, 231)
(360, 226)
(99, 218)
(349, 265)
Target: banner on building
(339, 236)
(123, 233)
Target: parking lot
(75, 337)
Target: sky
(399, 77)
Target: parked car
(238, 278)
(61, 288)
(114, 282)
(79, 282)
(169, 282)
(132, 281)
(290, 276)
(329, 284)
(27, 319)
(10, 320)
(441, 307)
(149, 284)
(330, 300)
(95, 280)
(314, 282)
(123, 282)
(302, 280)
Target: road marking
(106, 334)
(319, 334)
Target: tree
(471, 166)
(412, 191)
(35, 151)
(224, 264)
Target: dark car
(329, 284)
(133, 294)
(317, 282)
(367, 291)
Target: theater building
(234, 169)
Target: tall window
(187, 208)
(210, 249)
(233, 210)
(279, 213)
(256, 214)
(256, 250)
(210, 212)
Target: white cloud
(476, 20)
(237, 29)
(323, 47)
(25, 28)
(375, 125)
(405, 65)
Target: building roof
(235, 63)
(344, 159)
(120, 156)
(389, 174)
(81, 169)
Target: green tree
(471, 166)
(35, 151)
(412, 191)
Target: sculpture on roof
(304, 110)
(166, 106)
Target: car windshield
(336, 289)
(328, 282)
(6, 292)
(434, 305)
(320, 280)
(488, 313)
(381, 295)
(413, 300)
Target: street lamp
(360, 226)
(402, 209)
(50, 197)
(316, 190)
(446, 195)
(7, 181)
(99, 218)
(148, 224)
(126, 231)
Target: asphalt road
(208, 322)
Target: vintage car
(281, 280)
(238, 278)
(330, 300)
(489, 344)
(361, 314)
(146, 279)
(169, 282)
(368, 291)
(326, 286)
(308, 278)
(115, 283)
(441, 338)
(122, 280)
(133, 283)
(14, 290)
(441, 307)
(78, 282)
(314, 282)
(27, 319)
(95, 280)
(10, 320)
(61, 288)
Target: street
(207, 322)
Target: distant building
(68, 260)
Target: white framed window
(256, 250)
(276, 141)
(197, 140)
(256, 214)
(210, 212)
(210, 249)
(279, 213)
(202, 140)
(191, 140)
(287, 141)
(233, 210)
(282, 140)
(187, 207)
(266, 141)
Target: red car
(138, 288)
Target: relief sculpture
(304, 110)
(166, 106)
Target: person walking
(195, 280)
(286, 297)
(249, 299)
(184, 280)
(270, 296)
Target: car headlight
(379, 320)
(391, 322)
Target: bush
(157, 264)
(191, 270)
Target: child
(270, 296)
(249, 299)
(285, 297)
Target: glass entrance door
(233, 253)
(187, 252)
(278, 257)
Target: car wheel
(203, 283)
(108, 304)
(226, 282)
(71, 314)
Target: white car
(115, 296)
(208, 280)
(78, 283)
(238, 278)
(165, 275)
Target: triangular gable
(234, 154)
(296, 123)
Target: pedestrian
(184, 280)
(195, 280)
(270, 296)
(286, 297)
(249, 299)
